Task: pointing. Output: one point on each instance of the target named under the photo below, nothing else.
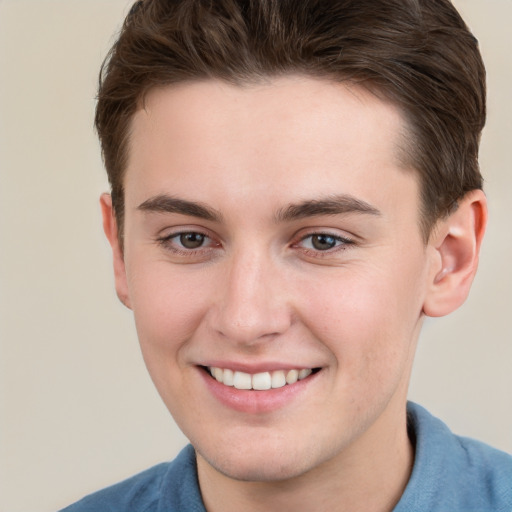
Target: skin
(258, 291)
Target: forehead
(291, 136)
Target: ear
(455, 246)
(112, 234)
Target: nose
(252, 303)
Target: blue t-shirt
(450, 474)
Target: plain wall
(77, 408)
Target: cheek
(167, 307)
(369, 320)
(168, 310)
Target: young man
(295, 186)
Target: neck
(370, 476)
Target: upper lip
(259, 367)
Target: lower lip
(255, 401)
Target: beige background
(77, 410)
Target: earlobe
(111, 232)
(455, 246)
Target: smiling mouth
(259, 381)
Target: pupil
(192, 240)
(323, 242)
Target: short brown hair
(417, 53)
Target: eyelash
(169, 244)
(342, 243)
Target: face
(272, 239)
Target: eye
(186, 242)
(191, 240)
(322, 242)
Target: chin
(260, 465)
(261, 472)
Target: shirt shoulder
(453, 473)
(166, 487)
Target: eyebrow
(331, 205)
(167, 204)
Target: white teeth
(242, 380)
(229, 377)
(306, 372)
(218, 374)
(278, 379)
(259, 381)
(292, 376)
